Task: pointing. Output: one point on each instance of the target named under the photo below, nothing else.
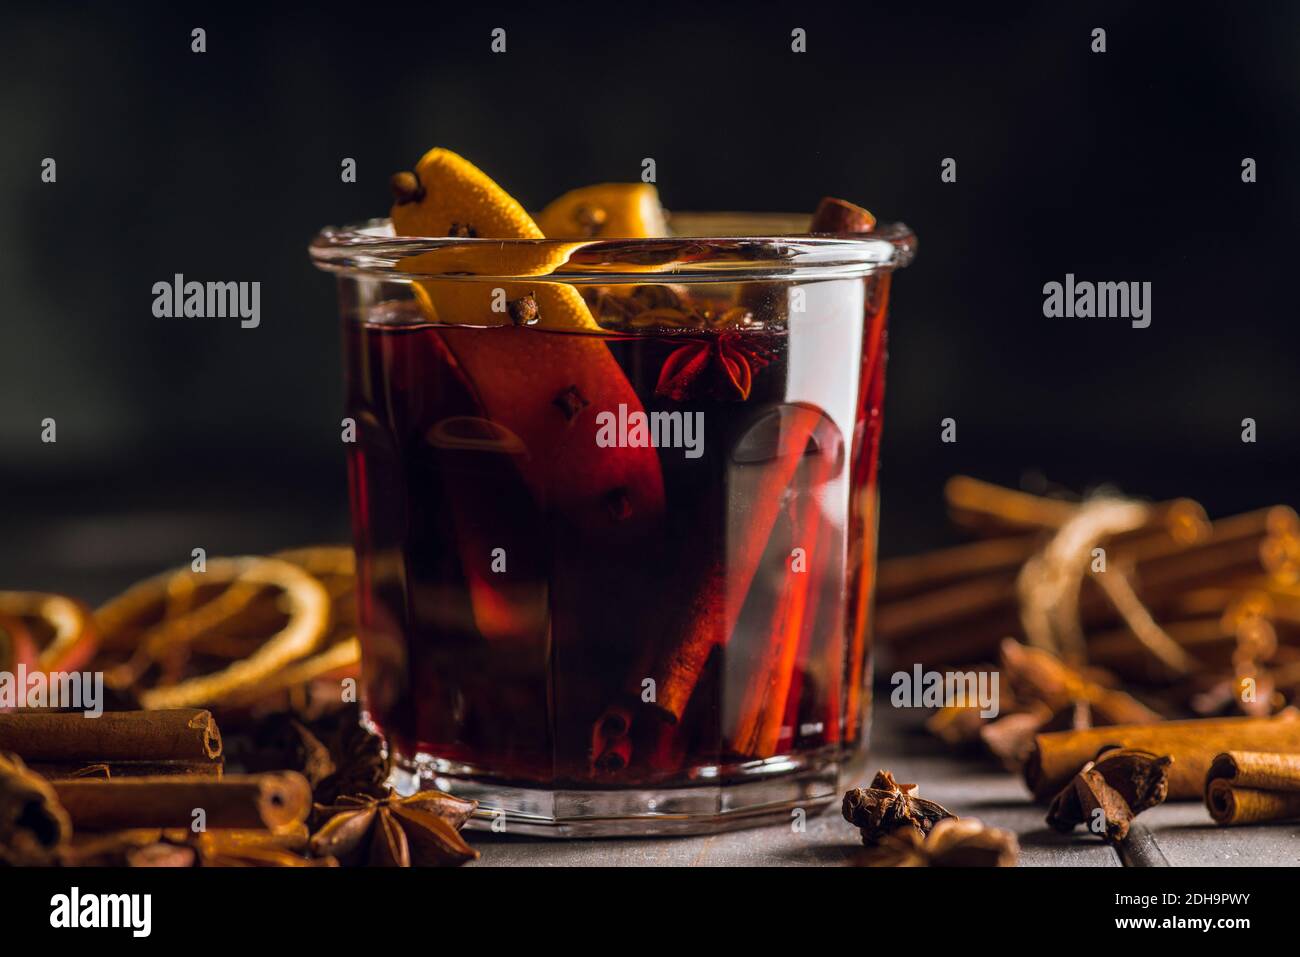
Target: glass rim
(707, 247)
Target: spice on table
(422, 830)
(251, 848)
(182, 847)
(1108, 793)
(953, 842)
(361, 761)
(281, 740)
(275, 801)
(955, 605)
(161, 855)
(1040, 693)
(887, 807)
(1193, 745)
(1253, 787)
(71, 738)
(33, 824)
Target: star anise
(953, 842)
(722, 367)
(422, 830)
(34, 828)
(281, 741)
(888, 807)
(360, 761)
(1109, 792)
(654, 307)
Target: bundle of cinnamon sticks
(72, 788)
(1116, 624)
(1156, 594)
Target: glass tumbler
(615, 576)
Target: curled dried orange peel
(59, 626)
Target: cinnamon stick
(985, 605)
(988, 506)
(1057, 757)
(276, 800)
(716, 606)
(185, 734)
(1253, 787)
(1178, 526)
(982, 504)
(848, 672)
(64, 770)
(913, 574)
(762, 707)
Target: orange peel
(521, 378)
(605, 211)
(456, 198)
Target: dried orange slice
(162, 620)
(340, 660)
(60, 626)
(605, 211)
(334, 565)
(303, 600)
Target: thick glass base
(744, 795)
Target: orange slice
(605, 211)
(546, 389)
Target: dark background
(1117, 166)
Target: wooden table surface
(967, 787)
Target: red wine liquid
(594, 610)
